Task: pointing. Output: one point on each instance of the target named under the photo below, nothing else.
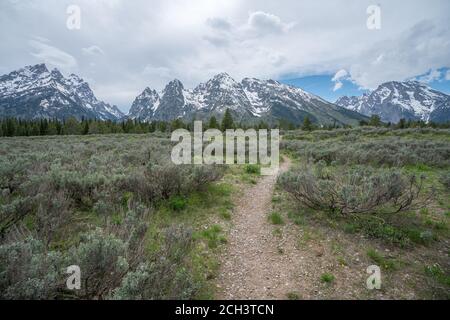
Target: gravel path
(259, 264)
(252, 267)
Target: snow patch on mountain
(392, 101)
(35, 92)
(249, 100)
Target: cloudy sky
(325, 46)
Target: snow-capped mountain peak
(249, 100)
(394, 100)
(35, 92)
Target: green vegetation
(213, 236)
(386, 185)
(252, 169)
(227, 121)
(115, 206)
(354, 190)
(293, 296)
(385, 263)
(177, 203)
(276, 218)
(435, 271)
(327, 278)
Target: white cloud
(415, 51)
(267, 23)
(146, 45)
(53, 56)
(161, 72)
(337, 86)
(341, 74)
(218, 23)
(93, 51)
(447, 75)
(430, 76)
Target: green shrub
(379, 229)
(419, 236)
(445, 179)
(252, 169)
(177, 203)
(388, 151)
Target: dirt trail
(252, 267)
(258, 264)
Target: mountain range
(34, 92)
(250, 101)
(410, 100)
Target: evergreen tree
(307, 125)
(72, 126)
(375, 121)
(86, 127)
(177, 124)
(401, 124)
(227, 121)
(213, 124)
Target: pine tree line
(11, 127)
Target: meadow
(377, 193)
(141, 227)
(113, 205)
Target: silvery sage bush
(445, 180)
(28, 271)
(163, 275)
(355, 190)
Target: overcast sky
(123, 46)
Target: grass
(306, 236)
(387, 264)
(327, 278)
(437, 273)
(277, 232)
(293, 296)
(177, 203)
(297, 218)
(276, 219)
(252, 169)
(419, 234)
(341, 260)
(212, 235)
(225, 214)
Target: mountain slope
(394, 100)
(35, 92)
(250, 100)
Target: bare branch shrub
(357, 190)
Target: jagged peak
(75, 77)
(56, 73)
(251, 81)
(223, 80)
(148, 93)
(149, 90)
(37, 68)
(411, 84)
(175, 83)
(222, 75)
